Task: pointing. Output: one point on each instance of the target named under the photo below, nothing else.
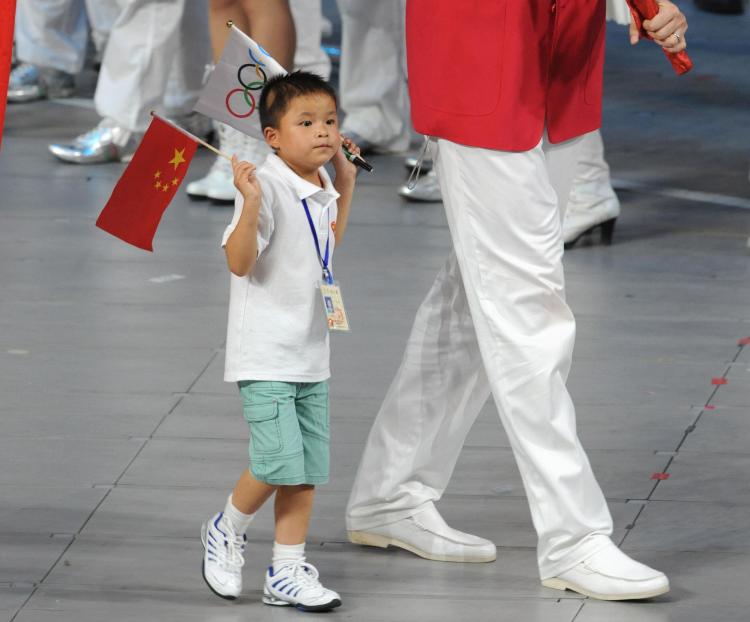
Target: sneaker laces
(230, 556)
(306, 576)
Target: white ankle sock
(237, 519)
(286, 553)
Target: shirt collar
(303, 188)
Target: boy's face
(308, 133)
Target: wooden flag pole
(195, 138)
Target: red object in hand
(646, 9)
(7, 15)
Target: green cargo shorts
(289, 434)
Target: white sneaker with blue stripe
(296, 584)
(223, 557)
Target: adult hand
(667, 27)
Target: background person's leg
(50, 40)
(137, 62)
(372, 80)
(592, 202)
(52, 33)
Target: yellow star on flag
(157, 185)
(175, 181)
(165, 187)
(179, 157)
(157, 174)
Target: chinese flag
(148, 184)
(646, 9)
(7, 17)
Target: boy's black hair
(280, 90)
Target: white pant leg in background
(592, 167)
(52, 34)
(592, 185)
(308, 22)
(505, 222)
(137, 61)
(618, 11)
(193, 52)
(102, 16)
(372, 81)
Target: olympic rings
(255, 59)
(249, 99)
(255, 85)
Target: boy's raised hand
(341, 165)
(245, 180)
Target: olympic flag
(234, 87)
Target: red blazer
(492, 73)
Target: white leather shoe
(426, 534)
(590, 206)
(611, 575)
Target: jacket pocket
(455, 53)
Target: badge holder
(330, 292)
(333, 304)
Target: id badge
(333, 305)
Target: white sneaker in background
(218, 184)
(425, 190)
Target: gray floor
(119, 437)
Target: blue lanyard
(327, 275)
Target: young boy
(288, 218)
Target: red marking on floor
(660, 476)
(710, 407)
(745, 341)
(719, 381)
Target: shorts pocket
(265, 431)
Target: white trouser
(494, 321)
(592, 182)
(52, 33)
(372, 80)
(308, 22)
(152, 43)
(618, 11)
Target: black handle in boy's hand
(357, 160)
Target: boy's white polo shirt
(277, 328)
